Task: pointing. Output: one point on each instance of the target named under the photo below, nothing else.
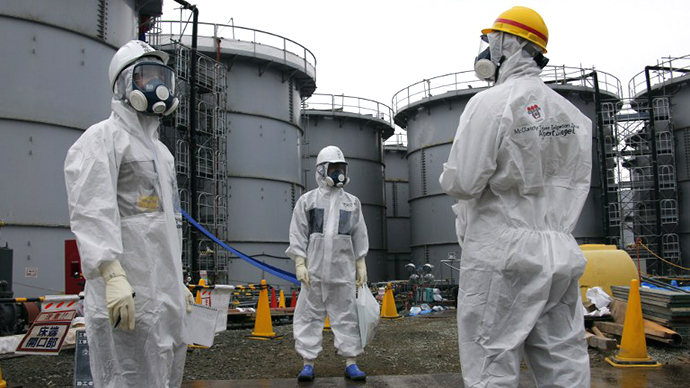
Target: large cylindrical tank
(55, 85)
(397, 209)
(430, 111)
(358, 126)
(267, 77)
(671, 81)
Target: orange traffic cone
(263, 327)
(202, 284)
(3, 383)
(327, 326)
(633, 349)
(293, 301)
(388, 309)
(274, 304)
(281, 303)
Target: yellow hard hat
(523, 22)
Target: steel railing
(465, 80)
(348, 104)
(256, 39)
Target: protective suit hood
(519, 60)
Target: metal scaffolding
(211, 156)
(641, 199)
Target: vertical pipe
(192, 145)
(655, 163)
(602, 150)
(194, 259)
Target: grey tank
(55, 85)
(358, 126)
(430, 111)
(268, 75)
(397, 209)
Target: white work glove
(119, 295)
(189, 298)
(361, 272)
(301, 270)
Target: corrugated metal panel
(114, 22)
(397, 210)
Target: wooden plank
(617, 329)
(603, 343)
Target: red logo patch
(534, 110)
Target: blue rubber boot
(352, 372)
(306, 374)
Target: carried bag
(368, 313)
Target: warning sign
(205, 296)
(47, 333)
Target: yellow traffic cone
(388, 309)
(327, 326)
(202, 283)
(3, 383)
(633, 349)
(263, 327)
(281, 304)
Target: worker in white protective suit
(124, 211)
(329, 242)
(520, 168)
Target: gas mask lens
(148, 76)
(483, 45)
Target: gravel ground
(419, 345)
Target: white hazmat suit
(122, 194)
(328, 230)
(520, 168)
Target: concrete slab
(603, 377)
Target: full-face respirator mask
(152, 89)
(488, 62)
(334, 174)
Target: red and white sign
(50, 328)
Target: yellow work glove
(361, 272)
(119, 295)
(301, 270)
(189, 298)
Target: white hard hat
(330, 154)
(130, 52)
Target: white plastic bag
(368, 313)
(599, 297)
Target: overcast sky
(374, 48)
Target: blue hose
(285, 275)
